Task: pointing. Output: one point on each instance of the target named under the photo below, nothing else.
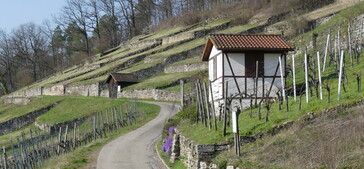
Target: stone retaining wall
(55, 127)
(17, 100)
(83, 90)
(144, 43)
(150, 94)
(186, 67)
(178, 38)
(21, 121)
(194, 155)
(57, 90)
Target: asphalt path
(136, 149)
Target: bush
(188, 113)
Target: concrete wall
(150, 94)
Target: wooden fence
(30, 150)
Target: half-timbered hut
(249, 63)
(117, 81)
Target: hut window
(250, 64)
(119, 88)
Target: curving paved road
(136, 149)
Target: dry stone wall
(57, 90)
(178, 38)
(150, 94)
(194, 155)
(83, 90)
(186, 67)
(21, 121)
(17, 100)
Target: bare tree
(7, 59)
(30, 46)
(77, 12)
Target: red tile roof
(230, 42)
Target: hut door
(113, 91)
(250, 64)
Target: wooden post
(182, 93)
(225, 107)
(338, 40)
(203, 117)
(235, 126)
(294, 78)
(306, 77)
(340, 74)
(74, 135)
(198, 110)
(349, 46)
(5, 158)
(207, 105)
(59, 140)
(319, 73)
(256, 81)
(94, 125)
(213, 106)
(326, 51)
(282, 79)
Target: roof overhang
(210, 44)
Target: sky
(16, 12)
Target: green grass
(9, 111)
(5, 139)
(86, 156)
(181, 48)
(335, 128)
(211, 25)
(140, 66)
(238, 29)
(167, 32)
(192, 60)
(75, 107)
(252, 126)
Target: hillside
(159, 60)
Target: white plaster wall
(214, 51)
(219, 66)
(270, 64)
(211, 67)
(237, 61)
(217, 89)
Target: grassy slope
(330, 141)
(9, 111)
(76, 107)
(252, 126)
(86, 156)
